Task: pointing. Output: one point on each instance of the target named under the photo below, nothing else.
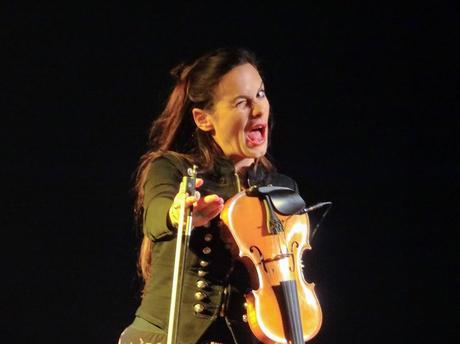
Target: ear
(202, 119)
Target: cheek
(227, 132)
(234, 125)
(230, 126)
(267, 108)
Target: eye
(261, 94)
(241, 102)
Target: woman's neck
(242, 165)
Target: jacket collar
(256, 173)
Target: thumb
(198, 182)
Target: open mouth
(256, 135)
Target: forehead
(241, 80)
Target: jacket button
(202, 273)
(199, 296)
(198, 307)
(201, 284)
(203, 263)
(244, 318)
(207, 250)
(208, 237)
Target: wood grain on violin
(282, 306)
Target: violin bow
(182, 244)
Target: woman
(217, 117)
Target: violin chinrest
(285, 200)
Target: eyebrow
(241, 96)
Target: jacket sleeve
(161, 186)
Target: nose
(258, 109)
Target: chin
(257, 152)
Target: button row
(201, 284)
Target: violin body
(282, 306)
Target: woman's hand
(204, 208)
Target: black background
(363, 98)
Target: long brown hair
(175, 130)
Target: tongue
(255, 136)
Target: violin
(269, 229)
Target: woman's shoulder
(175, 159)
(169, 162)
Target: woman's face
(240, 115)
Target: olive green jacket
(214, 284)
